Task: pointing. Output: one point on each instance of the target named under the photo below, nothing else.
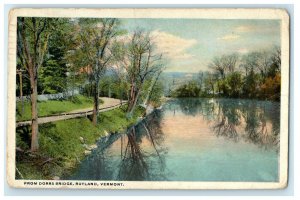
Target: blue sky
(190, 44)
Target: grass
(116, 121)
(53, 107)
(60, 142)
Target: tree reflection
(142, 156)
(253, 121)
(227, 119)
(97, 169)
(143, 164)
(133, 165)
(250, 120)
(261, 126)
(189, 106)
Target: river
(193, 139)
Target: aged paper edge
(196, 13)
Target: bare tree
(218, 67)
(264, 62)
(259, 61)
(224, 64)
(249, 62)
(276, 56)
(230, 62)
(33, 35)
(140, 62)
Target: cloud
(243, 50)
(229, 37)
(173, 47)
(266, 28)
(244, 29)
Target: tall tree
(275, 62)
(249, 62)
(276, 56)
(141, 62)
(224, 64)
(92, 52)
(53, 72)
(264, 61)
(32, 41)
(218, 67)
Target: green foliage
(52, 72)
(251, 84)
(61, 139)
(110, 86)
(29, 171)
(190, 89)
(233, 84)
(23, 137)
(156, 94)
(52, 77)
(116, 120)
(153, 91)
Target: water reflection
(141, 154)
(147, 162)
(133, 165)
(192, 139)
(253, 121)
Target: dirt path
(108, 104)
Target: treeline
(254, 75)
(95, 55)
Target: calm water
(193, 140)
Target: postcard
(148, 98)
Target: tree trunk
(96, 103)
(21, 93)
(109, 91)
(131, 97)
(134, 102)
(34, 114)
(121, 96)
(153, 83)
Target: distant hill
(172, 80)
(178, 74)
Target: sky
(189, 45)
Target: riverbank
(63, 144)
